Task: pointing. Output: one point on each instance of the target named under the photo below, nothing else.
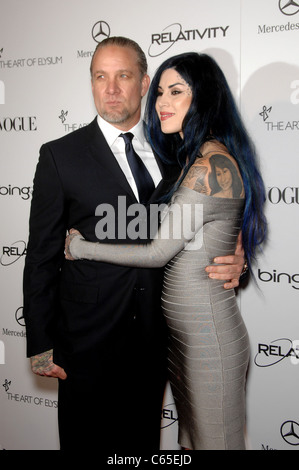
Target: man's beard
(116, 117)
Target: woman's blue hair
(213, 114)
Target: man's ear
(145, 84)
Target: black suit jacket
(83, 309)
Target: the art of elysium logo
(271, 116)
(25, 399)
(171, 34)
(21, 62)
(288, 7)
(275, 125)
(70, 126)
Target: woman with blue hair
(192, 120)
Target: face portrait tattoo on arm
(224, 178)
(216, 175)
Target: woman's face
(224, 178)
(173, 101)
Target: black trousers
(118, 406)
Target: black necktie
(143, 179)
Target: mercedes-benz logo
(288, 7)
(290, 432)
(20, 317)
(100, 31)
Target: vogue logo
(18, 124)
(287, 195)
(173, 33)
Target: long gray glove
(181, 225)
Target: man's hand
(231, 268)
(42, 364)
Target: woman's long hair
(212, 114)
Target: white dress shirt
(141, 146)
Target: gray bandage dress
(208, 341)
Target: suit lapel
(102, 154)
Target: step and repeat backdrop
(45, 93)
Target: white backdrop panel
(45, 52)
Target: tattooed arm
(217, 175)
(204, 176)
(42, 364)
(162, 248)
(196, 178)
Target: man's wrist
(245, 269)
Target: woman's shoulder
(215, 172)
(213, 148)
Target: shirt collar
(111, 133)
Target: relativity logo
(171, 34)
(169, 416)
(277, 351)
(11, 254)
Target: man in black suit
(98, 327)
